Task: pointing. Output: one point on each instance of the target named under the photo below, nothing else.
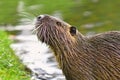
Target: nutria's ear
(73, 30)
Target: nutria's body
(80, 57)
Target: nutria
(80, 57)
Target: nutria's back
(106, 52)
(80, 57)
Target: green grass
(10, 66)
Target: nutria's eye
(58, 23)
(72, 30)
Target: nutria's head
(55, 32)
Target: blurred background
(88, 15)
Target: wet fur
(80, 57)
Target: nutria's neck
(68, 57)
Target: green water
(86, 15)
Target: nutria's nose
(40, 17)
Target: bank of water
(35, 55)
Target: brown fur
(80, 57)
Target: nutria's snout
(42, 19)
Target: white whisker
(36, 28)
